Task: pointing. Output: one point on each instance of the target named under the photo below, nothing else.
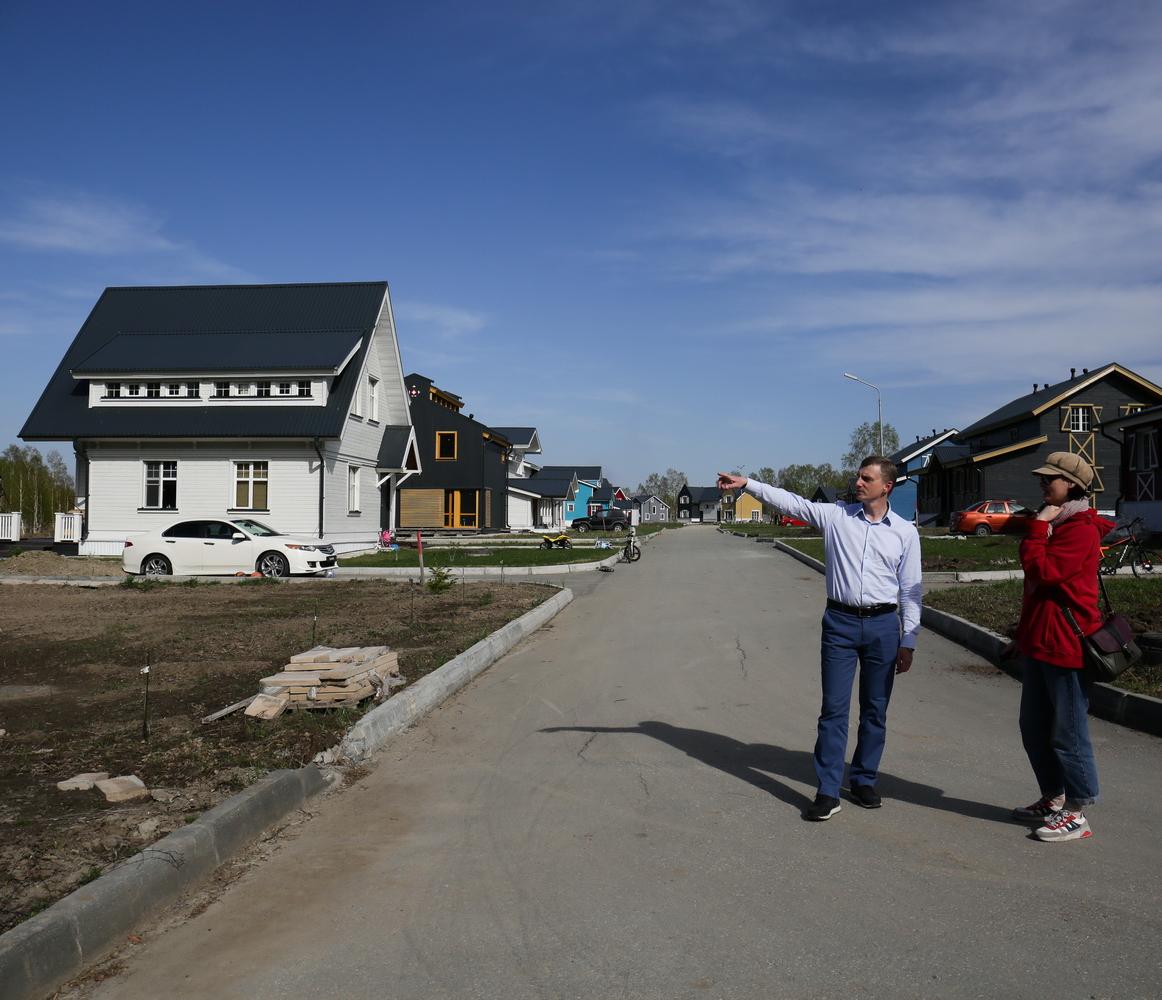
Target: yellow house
(747, 508)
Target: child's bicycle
(631, 551)
(1125, 546)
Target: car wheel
(156, 565)
(982, 529)
(581, 528)
(273, 565)
(618, 529)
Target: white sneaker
(1043, 808)
(1065, 824)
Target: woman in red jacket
(1060, 557)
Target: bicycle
(631, 551)
(1126, 547)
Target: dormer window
(194, 389)
(134, 389)
(173, 389)
(153, 390)
(242, 389)
(112, 390)
(263, 390)
(285, 388)
(221, 390)
(304, 389)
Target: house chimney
(1034, 386)
(1085, 371)
(1073, 373)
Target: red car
(989, 517)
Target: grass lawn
(484, 555)
(947, 554)
(997, 606)
(753, 530)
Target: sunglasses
(1045, 480)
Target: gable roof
(318, 325)
(525, 438)
(1037, 402)
(703, 494)
(555, 489)
(589, 473)
(640, 498)
(916, 448)
(397, 449)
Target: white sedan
(209, 547)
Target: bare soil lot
(71, 700)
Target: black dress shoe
(865, 795)
(824, 807)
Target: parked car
(615, 520)
(211, 547)
(989, 517)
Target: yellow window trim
(985, 455)
(455, 446)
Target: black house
(992, 458)
(463, 486)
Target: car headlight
(301, 548)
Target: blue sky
(659, 232)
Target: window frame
(1080, 415)
(455, 446)
(159, 482)
(373, 399)
(262, 389)
(251, 480)
(353, 498)
(221, 390)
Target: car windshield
(255, 527)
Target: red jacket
(1060, 568)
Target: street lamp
(879, 404)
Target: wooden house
(1140, 472)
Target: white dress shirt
(868, 562)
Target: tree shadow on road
(755, 763)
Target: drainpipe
(322, 482)
(83, 456)
(1101, 429)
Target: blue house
(588, 481)
(909, 461)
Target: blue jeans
(872, 643)
(1055, 731)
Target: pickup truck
(615, 520)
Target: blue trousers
(1055, 731)
(873, 644)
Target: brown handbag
(1110, 651)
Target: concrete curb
(477, 572)
(400, 711)
(58, 944)
(1127, 708)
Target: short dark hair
(887, 467)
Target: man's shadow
(754, 763)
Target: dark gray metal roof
(273, 351)
(522, 437)
(704, 494)
(910, 451)
(393, 447)
(555, 489)
(949, 454)
(592, 473)
(334, 314)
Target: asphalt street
(612, 810)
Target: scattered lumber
(223, 712)
(324, 677)
(267, 706)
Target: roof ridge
(261, 284)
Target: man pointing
(873, 614)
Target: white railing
(67, 528)
(10, 527)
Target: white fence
(67, 528)
(10, 527)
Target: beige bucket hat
(1072, 467)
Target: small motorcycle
(561, 541)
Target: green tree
(35, 486)
(765, 475)
(865, 441)
(665, 485)
(805, 479)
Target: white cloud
(448, 322)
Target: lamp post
(879, 404)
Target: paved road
(613, 811)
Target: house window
(372, 398)
(194, 390)
(173, 389)
(251, 480)
(1078, 419)
(446, 446)
(221, 390)
(1144, 451)
(161, 486)
(153, 390)
(284, 388)
(353, 489)
(756, 515)
(112, 390)
(262, 390)
(305, 389)
(357, 402)
(568, 508)
(134, 389)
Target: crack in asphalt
(645, 786)
(741, 658)
(581, 752)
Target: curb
(1127, 708)
(401, 710)
(58, 944)
(465, 572)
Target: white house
(281, 402)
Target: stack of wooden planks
(325, 677)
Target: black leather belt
(871, 611)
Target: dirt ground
(50, 564)
(72, 698)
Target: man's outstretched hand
(728, 482)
